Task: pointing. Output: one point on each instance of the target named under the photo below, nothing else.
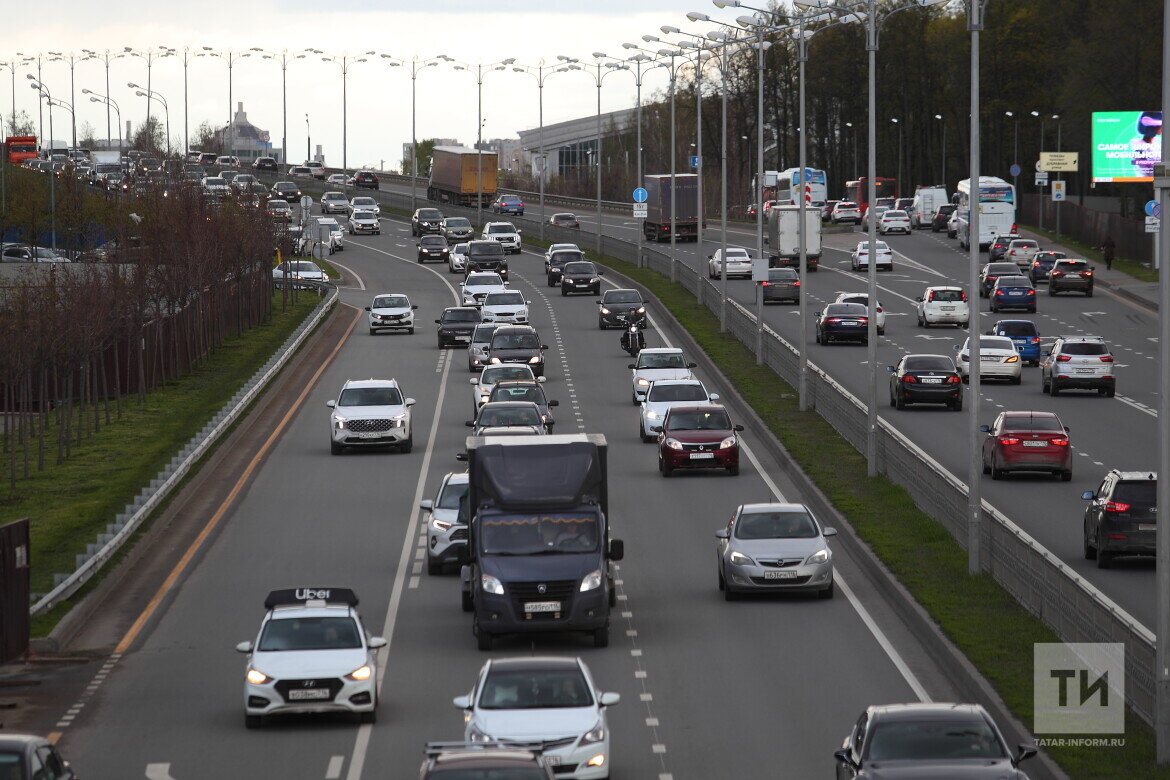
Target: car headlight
(442, 525)
(641, 310)
(820, 556)
(534, 359)
(491, 585)
(728, 442)
(399, 419)
(674, 444)
(477, 735)
(651, 414)
(604, 310)
(257, 677)
(594, 280)
(361, 673)
(643, 382)
(593, 735)
(739, 559)
(591, 581)
(339, 421)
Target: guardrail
(126, 523)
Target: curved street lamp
(478, 70)
(109, 103)
(345, 61)
(416, 67)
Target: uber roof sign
(301, 597)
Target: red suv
(698, 437)
(1027, 441)
(366, 179)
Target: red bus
(20, 148)
(858, 191)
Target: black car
(1122, 516)
(433, 248)
(993, 271)
(525, 390)
(1042, 263)
(366, 180)
(517, 344)
(509, 204)
(938, 222)
(425, 221)
(616, 304)
(783, 284)
(1013, 292)
(843, 322)
(487, 256)
(581, 276)
(456, 324)
(556, 264)
(999, 246)
(1074, 275)
(925, 379)
(265, 164)
(30, 756)
(286, 190)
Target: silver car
(457, 229)
(446, 531)
(656, 363)
(482, 387)
(457, 259)
(477, 349)
(1078, 363)
(774, 547)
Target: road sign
(265, 137)
(694, 161)
(1153, 206)
(760, 269)
(1041, 178)
(640, 195)
(1058, 190)
(1059, 161)
(306, 202)
(1157, 211)
(640, 211)
(1153, 224)
(1015, 169)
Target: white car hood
(299, 664)
(536, 723)
(477, 289)
(396, 310)
(517, 308)
(368, 412)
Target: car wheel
(441, 343)
(817, 337)
(1051, 289)
(1104, 559)
(1066, 476)
(410, 331)
(1032, 310)
(601, 324)
(899, 401)
(1090, 551)
(1089, 293)
(373, 331)
(1110, 393)
(986, 468)
(665, 468)
(1015, 380)
(729, 594)
(733, 470)
(434, 568)
(722, 582)
(253, 721)
(483, 640)
(335, 448)
(465, 601)
(827, 593)
(957, 406)
(881, 331)
(1053, 388)
(368, 717)
(992, 308)
(996, 472)
(893, 403)
(601, 637)
(409, 445)
(564, 292)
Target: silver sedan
(774, 547)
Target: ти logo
(1079, 688)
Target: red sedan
(698, 437)
(1027, 441)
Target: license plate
(542, 606)
(370, 435)
(1014, 292)
(1084, 371)
(988, 359)
(308, 694)
(780, 575)
(947, 308)
(1147, 527)
(850, 324)
(702, 455)
(550, 760)
(932, 380)
(1074, 276)
(463, 338)
(1035, 443)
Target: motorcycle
(633, 339)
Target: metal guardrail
(149, 498)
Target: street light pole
(943, 159)
(166, 109)
(416, 67)
(1162, 534)
(1015, 150)
(501, 65)
(43, 92)
(72, 60)
(109, 103)
(540, 75)
(28, 58)
(700, 50)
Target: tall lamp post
(1015, 149)
(72, 60)
(478, 70)
(149, 55)
(898, 124)
(230, 57)
(109, 103)
(1162, 535)
(345, 61)
(105, 57)
(540, 73)
(598, 78)
(43, 91)
(942, 177)
(28, 60)
(416, 67)
(166, 109)
(11, 65)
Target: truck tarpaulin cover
(515, 475)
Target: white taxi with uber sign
(312, 654)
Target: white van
(927, 199)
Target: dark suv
(617, 303)
(425, 221)
(1122, 516)
(509, 204)
(487, 256)
(366, 179)
(517, 344)
(456, 324)
(556, 264)
(286, 190)
(999, 246)
(581, 276)
(938, 222)
(433, 248)
(265, 164)
(1074, 275)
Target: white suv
(478, 284)
(370, 413)
(504, 232)
(1078, 362)
(446, 531)
(391, 312)
(942, 306)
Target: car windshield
(548, 531)
(1029, 423)
(1018, 329)
(484, 280)
(458, 222)
(1142, 494)
(622, 296)
(433, 241)
(284, 185)
(334, 196)
(1071, 265)
(216, 182)
(459, 249)
(659, 393)
(360, 216)
(370, 396)
(304, 266)
(531, 393)
(1024, 244)
(949, 209)
(310, 633)
(699, 420)
(515, 341)
(661, 360)
(461, 315)
(923, 740)
(279, 205)
(561, 258)
(364, 202)
(512, 415)
(1014, 281)
(451, 494)
(862, 300)
(782, 275)
(501, 228)
(535, 689)
(430, 214)
(845, 310)
(845, 205)
(775, 525)
(486, 249)
(1084, 348)
(584, 269)
(946, 296)
(928, 363)
(391, 302)
(895, 214)
(483, 333)
(737, 252)
(565, 217)
(494, 374)
(504, 299)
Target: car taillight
(1035, 339)
(1013, 359)
(953, 380)
(964, 297)
(863, 320)
(1060, 442)
(910, 379)
(1008, 440)
(766, 284)
(1056, 274)
(1116, 506)
(833, 319)
(1035, 263)
(1031, 292)
(1063, 358)
(1106, 358)
(796, 283)
(1086, 273)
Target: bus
(997, 210)
(858, 191)
(789, 184)
(21, 148)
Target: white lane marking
(353, 273)
(158, 772)
(334, 770)
(1137, 405)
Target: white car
(863, 299)
(506, 306)
(457, 259)
(942, 306)
(478, 284)
(227, 161)
(215, 187)
(298, 274)
(653, 364)
(316, 169)
(894, 221)
(364, 222)
(336, 179)
(1022, 251)
(334, 203)
(665, 393)
(336, 236)
(365, 203)
(482, 385)
(554, 248)
(543, 699)
(446, 535)
(953, 224)
(739, 263)
(873, 212)
(370, 413)
(860, 257)
(391, 311)
(998, 359)
(504, 232)
(312, 654)
(845, 211)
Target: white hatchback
(998, 359)
(739, 263)
(391, 312)
(505, 306)
(656, 363)
(942, 306)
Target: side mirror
(656, 428)
(843, 756)
(473, 381)
(617, 549)
(600, 272)
(469, 423)
(462, 702)
(919, 299)
(608, 699)
(710, 257)
(988, 333)
(1087, 495)
(713, 397)
(544, 346)
(461, 456)
(891, 369)
(631, 365)
(414, 308)
(738, 429)
(1026, 752)
(551, 404)
(540, 379)
(426, 504)
(410, 402)
(438, 322)
(244, 647)
(985, 428)
(376, 642)
(816, 314)
(598, 301)
(692, 365)
(955, 347)
(367, 308)
(1066, 429)
(722, 533)
(331, 404)
(829, 531)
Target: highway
(761, 687)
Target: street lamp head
(849, 124)
(132, 85)
(1056, 116)
(717, 35)
(894, 120)
(94, 100)
(140, 93)
(695, 16)
(629, 46)
(1005, 113)
(86, 92)
(725, 3)
(938, 116)
(669, 29)
(509, 61)
(747, 21)
(600, 55)
(1035, 113)
(669, 53)
(651, 39)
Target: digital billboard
(1126, 145)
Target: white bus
(997, 210)
(789, 186)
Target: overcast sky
(379, 95)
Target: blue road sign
(1151, 207)
(694, 161)
(1157, 211)
(640, 195)
(1015, 169)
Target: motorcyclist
(632, 317)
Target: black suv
(525, 390)
(556, 264)
(433, 248)
(367, 180)
(265, 164)
(616, 304)
(999, 246)
(1074, 275)
(286, 190)
(425, 221)
(581, 276)
(517, 344)
(487, 256)
(938, 222)
(1122, 516)
(456, 324)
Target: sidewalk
(1141, 293)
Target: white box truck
(784, 236)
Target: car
(999, 246)
(664, 394)
(1042, 264)
(425, 220)
(517, 344)
(774, 548)
(298, 274)
(953, 224)
(942, 305)
(223, 161)
(337, 179)
(286, 190)
(1122, 516)
(265, 164)
(782, 284)
(564, 219)
(242, 182)
(391, 311)
(364, 222)
(998, 359)
(457, 229)
(24, 253)
(1026, 441)
(446, 522)
(316, 168)
(1078, 363)
(487, 256)
(508, 204)
(928, 739)
(457, 259)
(1024, 334)
(554, 264)
(546, 699)
(654, 364)
(845, 211)
(581, 276)
(505, 306)
(894, 221)
(874, 212)
(312, 654)
(370, 413)
(1071, 275)
(478, 284)
(863, 299)
(827, 209)
(739, 263)
(477, 348)
(925, 379)
(554, 248)
(433, 247)
(32, 756)
(1022, 251)
(365, 203)
(860, 257)
(698, 436)
(485, 383)
(1012, 292)
(509, 418)
(366, 180)
(616, 304)
(300, 172)
(456, 324)
(902, 204)
(215, 187)
(842, 322)
(336, 236)
(992, 271)
(334, 203)
(279, 210)
(940, 218)
(526, 390)
(504, 232)
(447, 760)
